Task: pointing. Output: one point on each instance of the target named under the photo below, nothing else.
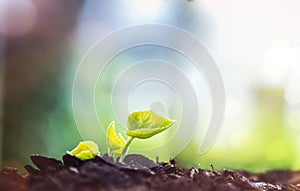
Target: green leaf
(85, 150)
(115, 143)
(145, 124)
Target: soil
(136, 173)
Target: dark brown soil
(136, 173)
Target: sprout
(142, 125)
(85, 150)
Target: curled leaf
(85, 150)
(145, 124)
(115, 143)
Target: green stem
(125, 150)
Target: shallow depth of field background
(256, 45)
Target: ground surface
(136, 173)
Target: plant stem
(126, 148)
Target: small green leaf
(115, 143)
(112, 139)
(85, 150)
(145, 124)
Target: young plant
(85, 150)
(142, 125)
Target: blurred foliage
(270, 145)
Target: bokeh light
(17, 17)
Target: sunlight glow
(146, 9)
(292, 95)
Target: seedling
(142, 125)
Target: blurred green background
(256, 45)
